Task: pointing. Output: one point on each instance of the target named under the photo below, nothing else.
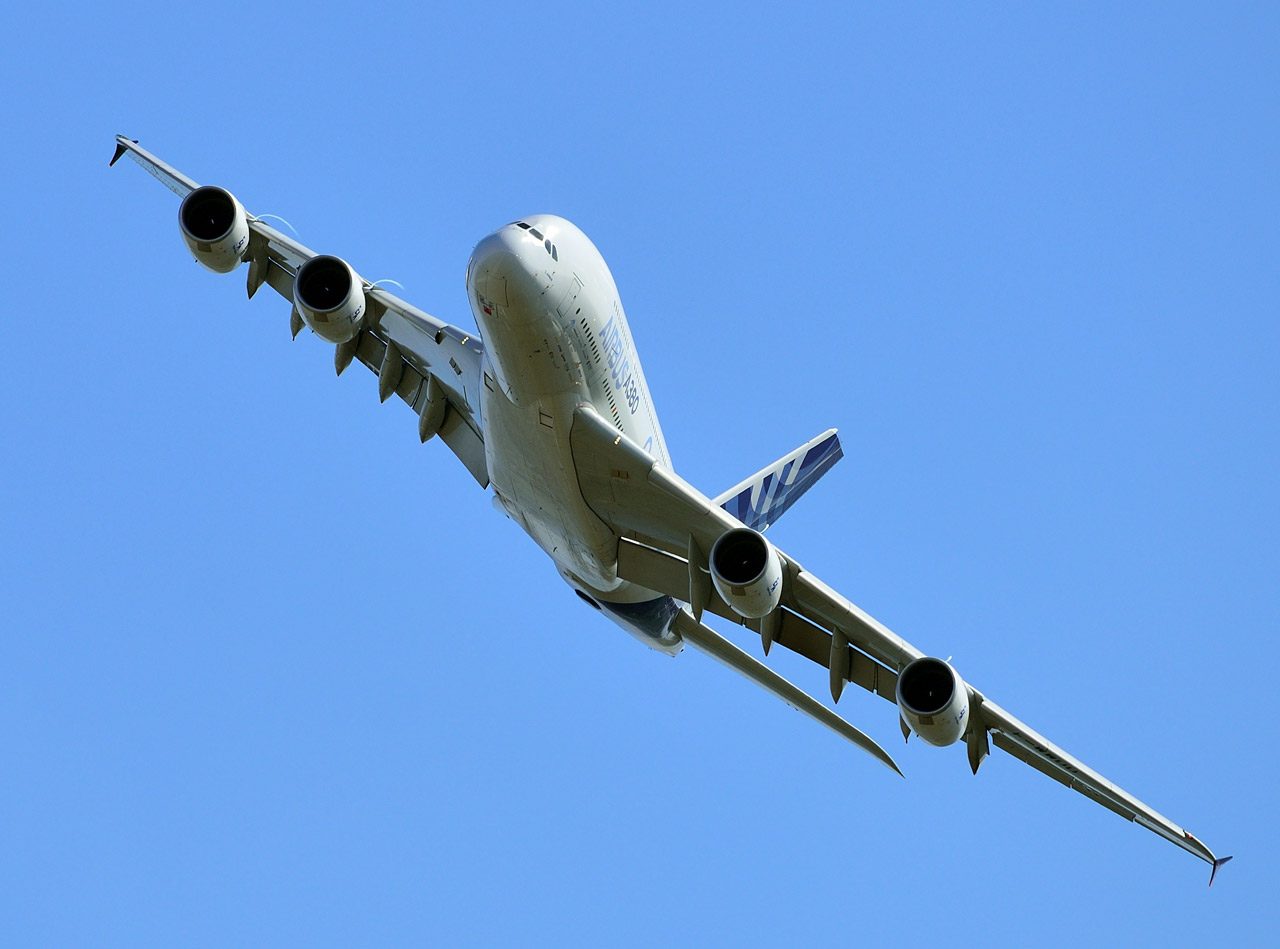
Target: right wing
(435, 368)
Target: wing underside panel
(667, 573)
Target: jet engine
(330, 298)
(933, 700)
(214, 227)
(747, 572)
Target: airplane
(547, 407)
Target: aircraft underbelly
(531, 469)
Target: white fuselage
(556, 338)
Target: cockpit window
(546, 241)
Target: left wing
(666, 524)
(435, 368)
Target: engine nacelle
(934, 701)
(747, 572)
(330, 298)
(214, 227)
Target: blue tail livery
(765, 496)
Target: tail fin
(765, 496)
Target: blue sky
(274, 673)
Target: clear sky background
(273, 673)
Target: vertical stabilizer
(765, 496)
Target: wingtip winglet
(1217, 863)
(121, 148)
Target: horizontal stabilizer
(720, 649)
(765, 496)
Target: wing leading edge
(660, 517)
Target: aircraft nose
(505, 273)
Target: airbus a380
(548, 407)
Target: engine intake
(933, 700)
(330, 298)
(747, 572)
(214, 228)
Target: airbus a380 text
(548, 407)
